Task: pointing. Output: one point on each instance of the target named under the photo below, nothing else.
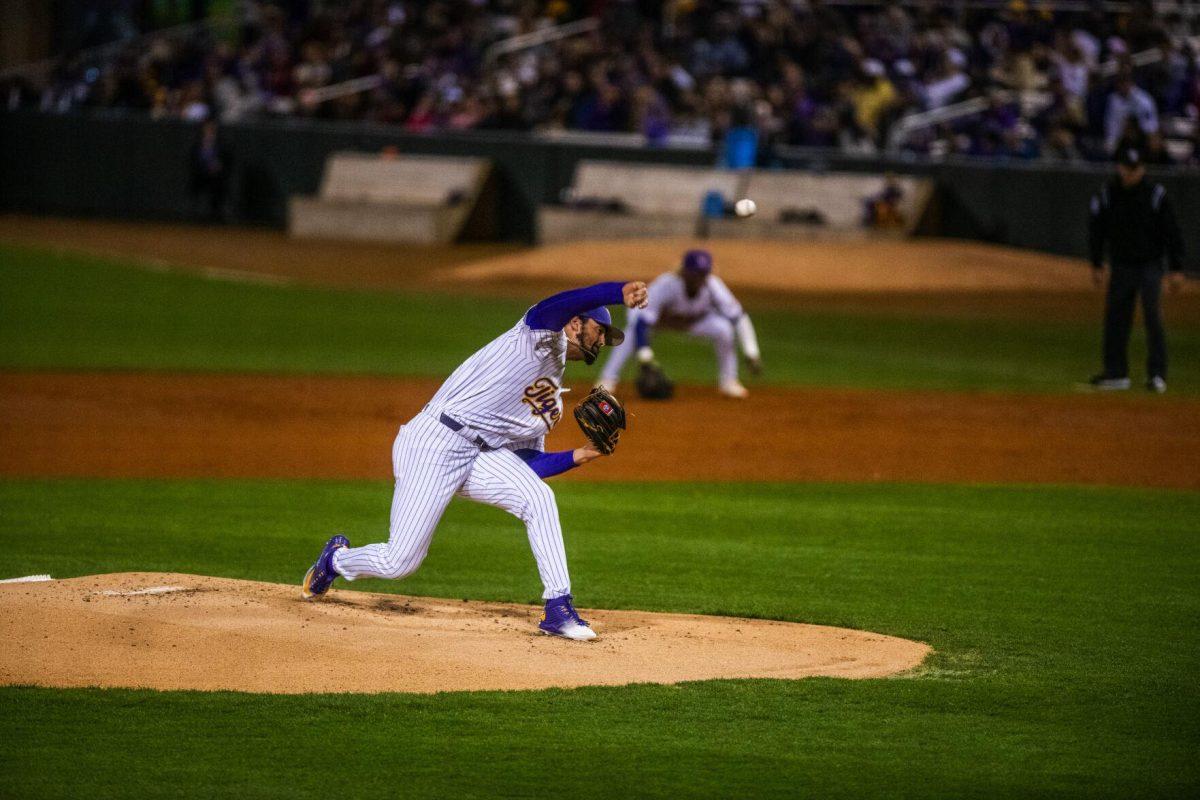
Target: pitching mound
(168, 631)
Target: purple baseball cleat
(320, 575)
(561, 619)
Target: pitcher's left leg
(501, 478)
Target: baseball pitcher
(482, 437)
(694, 300)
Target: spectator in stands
(1130, 111)
(422, 119)
(1019, 71)
(741, 141)
(467, 113)
(999, 120)
(1071, 67)
(211, 166)
(653, 118)
(1167, 79)
(507, 116)
(1156, 151)
(723, 53)
(883, 209)
(1060, 145)
(192, 104)
(947, 81)
(1064, 109)
(872, 97)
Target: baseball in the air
(745, 207)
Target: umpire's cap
(613, 335)
(698, 261)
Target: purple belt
(457, 427)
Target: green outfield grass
(1064, 623)
(73, 312)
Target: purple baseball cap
(613, 335)
(698, 261)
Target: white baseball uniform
(713, 313)
(504, 398)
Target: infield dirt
(168, 631)
(249, 426)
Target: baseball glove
(601, 418)
(653, 383)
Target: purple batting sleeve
(641, 334)
(556, 311)
(547, 465)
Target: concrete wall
(131, 167)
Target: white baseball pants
(711, 326)
(432, 463)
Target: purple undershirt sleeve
(556, 311)
(547, 465)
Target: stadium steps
(398, 198)
(612, 200)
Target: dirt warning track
(169, 631)
(262, 426)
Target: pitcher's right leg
(722, 333)
(430, 463)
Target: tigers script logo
(542, 397)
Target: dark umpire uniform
(1134, 219)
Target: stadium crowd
(1047, 84)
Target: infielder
(694, 300)
(482, 437)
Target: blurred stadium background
(240, 242)
(948, 91)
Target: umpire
(1133, 217)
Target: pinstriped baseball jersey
(509, 391)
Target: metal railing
(352, 86)
(526, 41)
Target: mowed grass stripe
(1063, 620)
(71, 311)
(75, 312)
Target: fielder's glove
(601, 418)
(653, 384)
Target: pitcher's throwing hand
(635, 294)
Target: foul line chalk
(28, 579)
